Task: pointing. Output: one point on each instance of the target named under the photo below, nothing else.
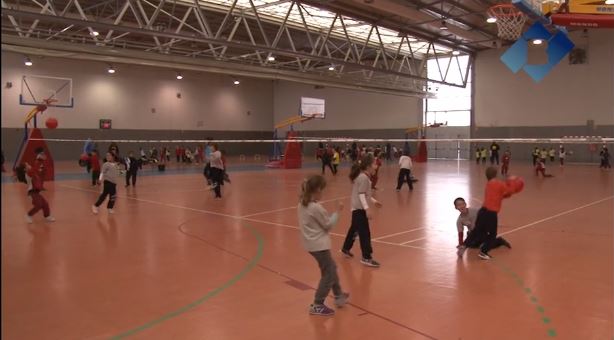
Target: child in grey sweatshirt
(316, 223)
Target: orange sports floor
(172, 263)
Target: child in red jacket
(33, 176)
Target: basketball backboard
(35, 90)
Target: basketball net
(510, 21)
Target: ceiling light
(179, 76)
(491, 20)
(443, 25)
(331, 68)
(537, 41)
(94, 33)
(609, 2)
(236, 82)
(271, 58)
(455, 52)
(28, 62)
(111, 70)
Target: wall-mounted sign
(105, 123)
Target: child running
(361, 194)
(486, 221)
(110, 174)
(316, 224)
(217, 171)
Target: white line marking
(399, 233)
(557, 215)
(229, 216)
(418, 239)
(154, 202)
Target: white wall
(347, 109)
(128, 96)
(569, 95)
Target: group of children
(316, 223)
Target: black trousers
(217, 177)
(494, 157)
(95, 176)
(360, 225)
(129, 175)
(485, 232)
(405, 176)
(327, 163)
(110, 190)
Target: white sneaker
(28, 218)
(95, 209)
(50, 219)
(111, 211)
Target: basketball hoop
(510, 21)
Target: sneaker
(111, 211)
(321, 310)
(28, 218)
(95, 209)
(342, 299)
(370, 263)
(461, 250)
(505, 243)
(50, 219)
(347, 253)
(484, 256)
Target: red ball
(516, 183)
(51, 123)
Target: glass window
(450, 103)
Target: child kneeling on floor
(316, 223)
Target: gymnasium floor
(172, 263)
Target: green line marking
(546, 320)
(250, 265)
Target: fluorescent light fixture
(271, 58)
(331, 68)
(443, 25)
(95, 33)
(111, 70)
(455, 52)
(491, 20)
(179, 76)
(28, 62)
(537, 41)
(236, 82)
